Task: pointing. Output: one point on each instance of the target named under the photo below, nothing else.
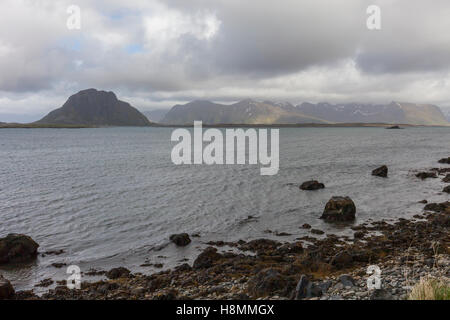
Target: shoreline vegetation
(159, 125)
(411, 258)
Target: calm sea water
(111, 197)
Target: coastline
(334, 267)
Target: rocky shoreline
(330, 268)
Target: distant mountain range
(96, 108)
(254, 112)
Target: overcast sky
(156, 53)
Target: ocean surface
(112, 197)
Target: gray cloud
(157, 53)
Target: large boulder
(339, 209)
(17, 248)
(181, 239)
(6, 289)
(312, 185)
(381, 172)
(445, 160)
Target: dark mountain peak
(97, 108)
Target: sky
(155, 54)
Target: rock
(446, 178)
(341, 260)
(17, 248)
(116, 273)
(394, 127)
(446, 189)
(423, 201)
(312, 185)
(347, 280)
(317, 231)
(301, 290)
(183, 267)
(381, 172)
(359, 235)
(306, 226)
(181, 239)
(45, 283)
(380, 294)
(339, 209)
(58, 264)
(324, 286)
(6, 289)
(138, 291)
(207, 258)
(425, 175)
(267, 282)
(445, 160)
(438, 207)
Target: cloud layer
(156, 53)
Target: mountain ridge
(249, 111)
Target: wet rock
(445, 160)
(45, 283)
(116, 273)
(380, 294)
(347, 280)
(339, 209)
(207, 258)
(425, 175)
(58, 265)
(181, 239)
(317, 231)
(312, 185)
(183, 267)
(423, 201)
(446, 189)
(394, 127)
(446, 178)
(6, 289)
(17, 248)
(306, 226)
(381, 171)
(438, 207)
(359, 235)
(267, 282)
(301, 290)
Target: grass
(430, 288)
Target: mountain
(155, 115)
(244, 112)
(97, 108)
(253, 112)
(394, 112)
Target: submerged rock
(445, 160)
(17, 248)
(438, 207)
(181, 239)
(312, 185)
(6, 289)
(425, 175)
(381, 171)
(339, 209)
